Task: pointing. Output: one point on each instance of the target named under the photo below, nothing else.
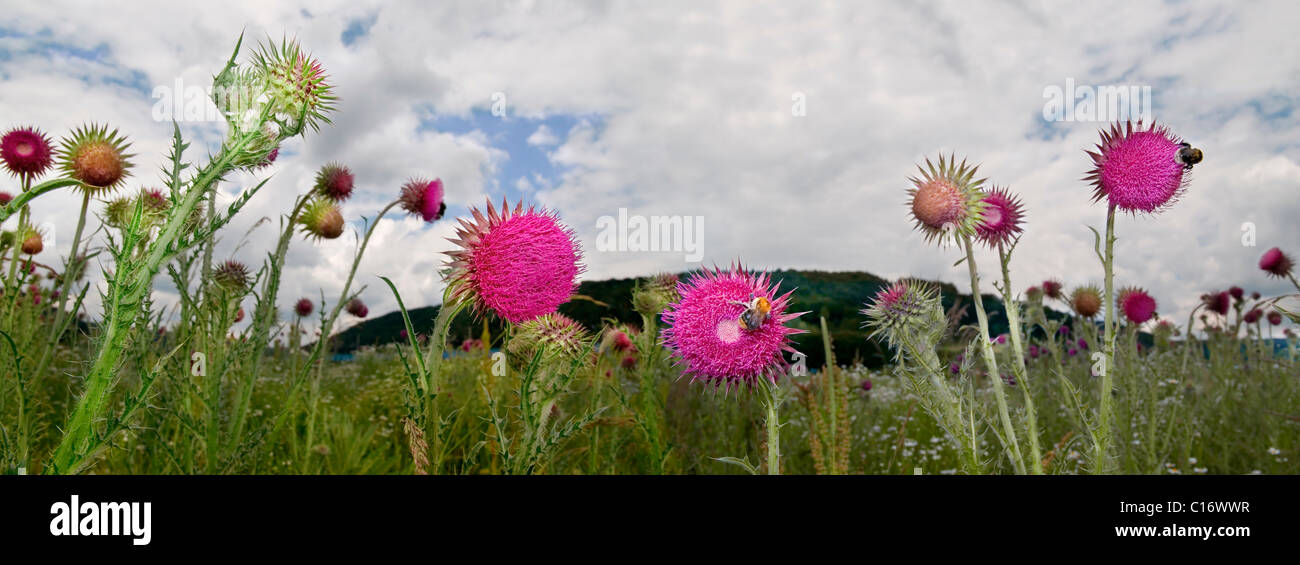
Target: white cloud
(543, 137)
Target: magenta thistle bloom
(5, 197)
(334, 181)
(1252, 316)
(1136, 304)
(1052, 288)
(706, 334)
(303, 307)
(1139, 170)
(518, 263)
(866, 385)
(1275, 318)
(422, 197)
(1218, 302)
(26, 151)
(999, 222)
(358, 308)
(1236, 292)
(1276, 263)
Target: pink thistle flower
(358, 308)
(1276, 263)
(1252, 316)
(334, 181)
(945, 200)
(1275, 318)
(621, 341)
(1000, 218)
(1140, 170)
(629, 361)
(303, 307)
(1072, 352)
(26, 151)
(239, 316)
(705, 331)
(519, 264)
(5, 198)
(1052, 288)
(1236, 292)
(866, 385)
(424, 198)
(1136, 304)
(1218, 302)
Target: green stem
(770, 401)
(1022, 376)
(71, 270)
(1103, 437)
(990, 361)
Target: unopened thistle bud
(322, 219)
(555, 335)
(32, 241)
(231, 275)
(334, 181)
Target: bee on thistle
(755, 313)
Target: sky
(789, 128)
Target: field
(522, 371)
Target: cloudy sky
(791, 128)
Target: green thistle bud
(231, 275)
(321, 219)
(557, 336)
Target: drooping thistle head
(517, 263)
(26, 151)
(358, 308)
(1276, 263)
(710, 341)
(906, 311)
(303, 307)
(424, 198)
(321, 219)
(1136, 304)
(555, 336)
(1138, 169)
(1086, 301)
(334, 181)
(231, 276)
(651, 296)
(946, 200)
(96, 157)
(1000, 220)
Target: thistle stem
(71, 270)
(770, 401)
(1103, 437)
(990, 361)
(1022, 377)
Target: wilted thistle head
(554, 335)
(231, 275)
(1000, 219)
(358, 308)
(519, 264)
(303, 307)
(96, 157)
(1086, 301)
(334, 181)
(945, 200)
(1217, 302)
(30, 239)
(1136, 169)
(1276, 263)
(650, 296)
(705, 334)
(1136, 304)
(423, 198)
(26, 151)
(321, 219)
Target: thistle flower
(1236, 292)
(423, 198)
(999, 221)
(710, 341)
(239, 315)
(358, 308)
(945, 201)
(1136, 304)
(866, 385)
(620, 342)
(1139, 170)
(1052, 288)
(1217, 302)
(1034, 294)
(321, 219)
(899, 304)
(231, 275)
(652, 295)
(26, 151)
(96, 157)
(1275, 318)
(1276, 263)
(334, 181)
(5, 198)
(1252, 316)
(519, 264)
(155, 203)
(303, 307)
(1086, 301)
(555, 335)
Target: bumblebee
(756, 312)
(1189, 156)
